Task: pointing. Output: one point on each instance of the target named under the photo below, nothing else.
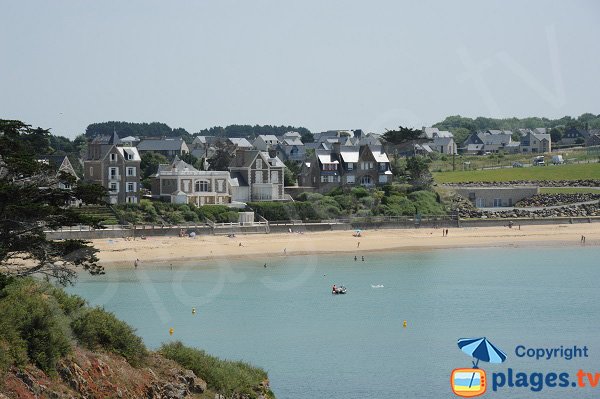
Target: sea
(393, 334)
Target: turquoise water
(317, 345)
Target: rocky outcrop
(86, 374)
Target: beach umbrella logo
(469, 382)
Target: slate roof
(161, 145)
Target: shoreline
(165, 251)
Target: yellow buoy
(171, 331)
(404, 324)
(193, 310)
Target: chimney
(272, 153)
(336, 147)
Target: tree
(556, 134)
(192, 160)
(30, 202)
(417, 169)
(150, 162)
(290, 173)
(222, 157)
(402, 135)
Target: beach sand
(163, 251)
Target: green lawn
(550, 172)
(569, 190)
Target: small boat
(339, 290)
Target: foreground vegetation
(220, 375)
(550, 172)
(41, 324)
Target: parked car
(557, 159)
(538, 161)
(517, 165)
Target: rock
(194, 383)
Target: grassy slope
(569, 190)
(550, 172)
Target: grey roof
(244, 158)
(495, 138)
(177, 165)
(292, 141)
(240, 142)
(241, 182)
(542, 136)
(268, 137)
(160, 145)
(107, 139)
(437, 140)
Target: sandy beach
(163, 251)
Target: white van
(538, 161)
(557, 159)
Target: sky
(346, 64)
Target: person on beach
(355, 258)
(358, 244)
(363, 258)
(136, 262)
(265, 266)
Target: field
(551, 172)
(569, 190)
(474, 162)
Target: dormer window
(113, 157)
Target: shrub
(360, 192)
(224, 376)
(32, 326)
(98, 328)
(426, 203)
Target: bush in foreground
(98, 328)
(224, 376)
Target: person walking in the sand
(358, 244)
(136, 263)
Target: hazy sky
(315, 63)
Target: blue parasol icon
(481, 349)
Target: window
(130, 187)
(113, 173)
(497, 202)
(113, 157)
(128, 155)
(130, 171)
(113, 188)
(202, 186)
(258, 176)
(91, 171)
(67, 186)
(330, 179)
(350, 179)
(382, 178)
(259, 164)
(366, 181)
(480, 203)
(350, 166)
(220, 185)
(131, 200)
(323, 179)
(274, 177)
